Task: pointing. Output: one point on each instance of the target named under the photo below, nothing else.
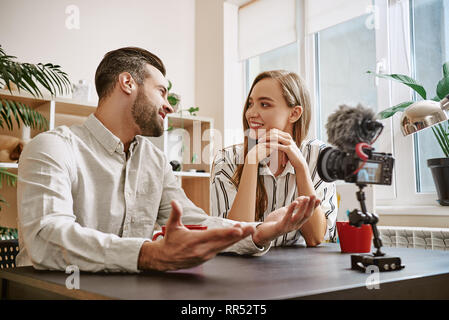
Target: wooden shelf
(62, 105)
(9, 165)
(192, 174)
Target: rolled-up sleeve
(49, 235)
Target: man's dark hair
(129, 59)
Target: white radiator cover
(415, 237)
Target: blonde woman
(276, 163)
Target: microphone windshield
(348, 126)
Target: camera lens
(330, 164)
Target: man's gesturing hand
(183, 248)
(285, 220)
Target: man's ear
(126, 82)
(295, 114)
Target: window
(341, 45)
(344, 53)
(285, 57)
(430, 39)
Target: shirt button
(133, 220)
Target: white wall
(234, 83)
(209, 61)
(36, 31)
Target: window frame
(402, 193)
(401, 197)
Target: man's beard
(146, 116)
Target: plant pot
(440, 173)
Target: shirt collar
(265, 170)
(106, 138)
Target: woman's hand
(285, 220)
(260, 151)
(283, 141)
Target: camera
(334, 164)
(353, 131)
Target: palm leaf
(2, 200)
(26, 76)
(9, 177)
(442, 136)
(410, 82)
(391, 111)
(8, 233)
(11, 109)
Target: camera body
(334, 164)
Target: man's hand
(183, 248)
(285, 219)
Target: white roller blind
(265, 25)
(322, 14)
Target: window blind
(322, 14)
(265, 25)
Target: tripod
(378, 258)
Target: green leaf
(10, 109)
(442, 136)
(26, 76)
(436, 99)
(443, 88)
(172, 100)
(192, 110)
(397, 108)
(7, 176)
(410, 82)
(446, 69)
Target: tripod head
(357, 218)
(378, 258)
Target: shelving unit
(61, 111)
(58, 111)
(189, 140)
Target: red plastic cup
(353, 239)
(188, 226)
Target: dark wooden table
(283, 273)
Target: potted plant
(28, 77)
(438, 166)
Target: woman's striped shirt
(281, 190)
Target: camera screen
(370, 173)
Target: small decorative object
(191, 110)
(175, 165)
(81, 91)
(194, 157)
(10, 148)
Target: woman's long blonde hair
(295, 93)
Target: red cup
(188, 226)
(353, 239)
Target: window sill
(417, 210)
